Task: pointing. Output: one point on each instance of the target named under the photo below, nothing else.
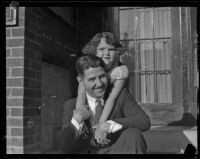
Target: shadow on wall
(187, 120)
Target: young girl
(104, 46)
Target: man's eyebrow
(90, 78)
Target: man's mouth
(107, 58)
(100, 89)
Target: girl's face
(107, 53)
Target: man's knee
(135, 138)
(67, 139)
(131, 141)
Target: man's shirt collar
(92, 100)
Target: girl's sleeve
(119, 72)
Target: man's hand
(80, 114)
(102, 129)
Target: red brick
(17, 52)
(21, 22)
(8, 131)
(15, 122)
(38, 75)
(32, 102)
(30, 35)
(26, 83)
(17, 72)
(14, 62)
(28, 101)
(9, 142)
(26, 63)
(14, 82)
(28, 130)
(34, 46)
(17, 150)
(18, 32)
(30, 53)
(8, 92)
(29, 149)
(29, 73)
(35, 27)
(31, 139)
(16, 131)
(26, 140)
(17, 112)
(8, 72)
(8, 52)
(15, 42)
(30, 111)
(8, 32)
(35, 65)
(16, 141)
(14, 101)
(32, 93)
(35, 84)
(22, 12)
(17, 92)
(7, 111)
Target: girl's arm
(81, 95)
(118, 85)
(118, 76)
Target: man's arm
(74, 116)
(134, 115)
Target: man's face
(95, 81)
(107, 53)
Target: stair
(159, 139)
(166, 139)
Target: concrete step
(160, 140)
(166, 139)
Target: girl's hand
(101, 132)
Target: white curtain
(149, 49)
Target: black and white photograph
(107, 79)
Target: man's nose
(106, 51)
(99, 83)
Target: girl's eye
(111, 49)
(103, 76)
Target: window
(147, 35)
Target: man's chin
(99, 94)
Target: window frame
(163, 114)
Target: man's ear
(79, 79)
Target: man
(122, 134)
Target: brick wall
(14, 85)
(32, 81)
(23, 83)
(40, 36)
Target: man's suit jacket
(126, 111)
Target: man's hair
(91, 46)
(88, 61)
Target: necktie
(98, 112)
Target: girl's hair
(91, 46)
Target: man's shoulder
(125, 94)
(125, 91)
